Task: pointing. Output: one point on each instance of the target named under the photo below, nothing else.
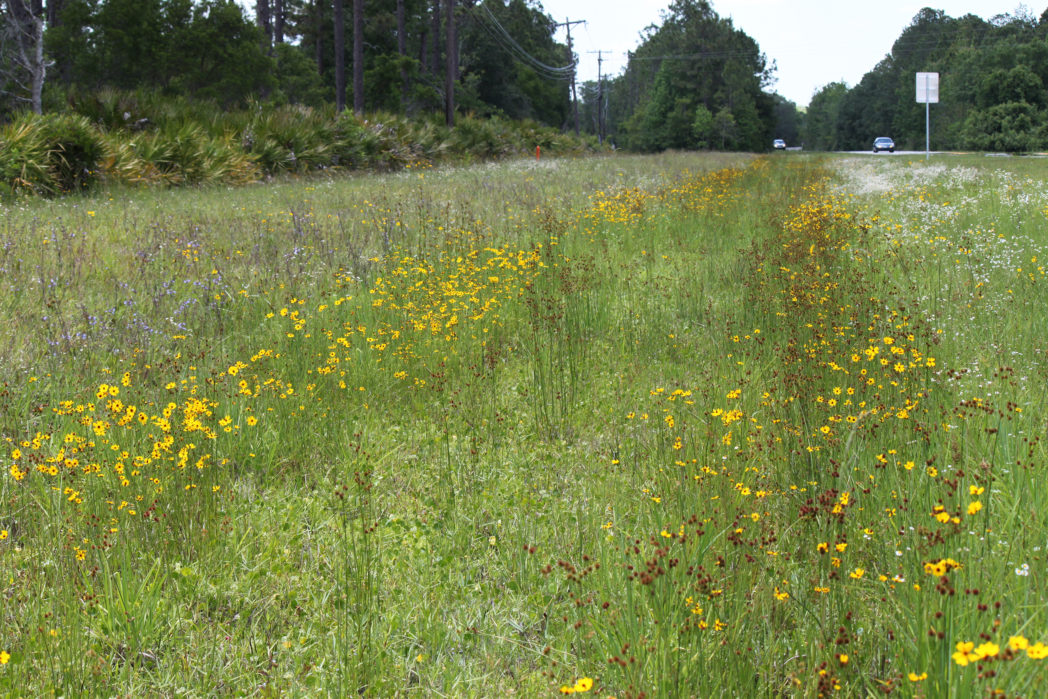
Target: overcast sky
(813, 42)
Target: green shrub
(193, 157)
(24, 159)
(482, 138)
(75, 149)
(290, 139)
(146, 138)
(1011, 127)
(49, 154)
(356, 145)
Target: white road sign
(928, 88)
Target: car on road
(778, 144)
(883, 143)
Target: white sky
(814, 42)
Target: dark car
(883, 143)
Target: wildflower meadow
(687, 425)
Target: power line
(506, 40)
(700, 55)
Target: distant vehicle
(778, 144)
(883, 143)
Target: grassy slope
(458, 431)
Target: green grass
(506, 429)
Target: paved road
(884, 153)
(918, 153)
(870, 152)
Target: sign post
(927, 93)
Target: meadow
(686, 425)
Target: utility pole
(571, 59)
(633, 80)
(601, 111)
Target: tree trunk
(38, 69)
(262, 16)
(54, 12)
(423, 51)
(318, 18)
(27, 27)
(340, 57)
(435, 24)
(358, 56)
(278, 21)
(452, 65)
(54, 19)
(402, 50)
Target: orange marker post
(538, 152)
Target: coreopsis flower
(583, 684)
(965, 653)
(1017, 643)
(987, 650)
(1038, 651)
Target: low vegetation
(140, 139)
(680, 425)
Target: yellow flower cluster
(583, 684)
(967, 652)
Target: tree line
(694, 82)
(992, 79)
(484, 57)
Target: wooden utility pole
(602, 116)
(601, 111)
(571, 59)
(630, 71)
(452, 64)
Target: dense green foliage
(211, 49)
(992, 88)
(142, 138)
(695, 82)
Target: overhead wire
(506, 41)
(700, 55)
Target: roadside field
(681, 425)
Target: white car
(778, 144)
